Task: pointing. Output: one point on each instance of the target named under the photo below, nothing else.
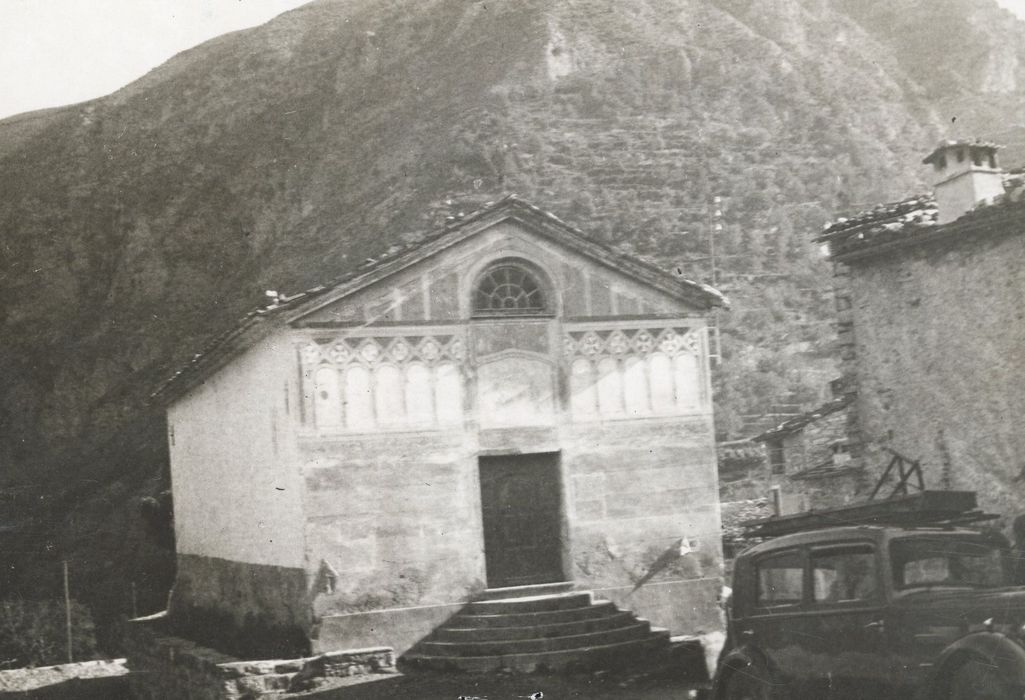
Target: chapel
(506, 408)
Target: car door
(847, 635)
(776, 622)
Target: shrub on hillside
(34, 633)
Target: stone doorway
(521, 498)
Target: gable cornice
(290, 310)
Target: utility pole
(714, 229)
(67, 609)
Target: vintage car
(875, 611)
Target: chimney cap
(948, 144)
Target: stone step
(636, 631)
(529, 604)
(596, 657)
(526, 591)
(452, 632)
(533, 619)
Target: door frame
(565, 549)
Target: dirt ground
(524, 687)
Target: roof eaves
(913, 220)
(1002, 217)
(825, 470)
(645, 270)
(377, 268)
(920, 208)
(798, 422)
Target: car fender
(739, 657)
(996, 649)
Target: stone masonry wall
(643, 507)
(811, 446)
(248, 609)
(167, 667)
(934, 337)
(828, 490)
(398, 516)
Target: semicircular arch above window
(509, 288)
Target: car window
(843, 574)
(921, 562)
(780, 579)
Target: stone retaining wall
(84, 680)
(167, 667)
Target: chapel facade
(505, 403)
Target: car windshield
(962, 561)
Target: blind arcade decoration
(630, 373)
(404, 382)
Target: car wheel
(746, 683)
(977, 680)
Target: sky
(55, 52)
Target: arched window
(508, 288)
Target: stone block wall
(839, 487)
(643, 511)
(811, 446)
(166, 667)
(83, 680)
(934, 338)
(398, 515)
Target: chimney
(966, 174)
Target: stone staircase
(538, 628)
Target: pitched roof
(826, 469)
(288, 309)
(799, 422)
(914, 220)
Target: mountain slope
(136, 226)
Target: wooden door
(521, 497)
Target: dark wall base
(248, 610)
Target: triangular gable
(533, 219)
(289, 310)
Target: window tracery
(508, 288)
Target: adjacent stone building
(931, 301)
(504, 403)
(801, 464)
(809, 459)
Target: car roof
(875, 533)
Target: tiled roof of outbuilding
(915, 219)
(920, 209)
(826, 469)
(396, 257)
(795, 424)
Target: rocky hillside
(135, 226)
